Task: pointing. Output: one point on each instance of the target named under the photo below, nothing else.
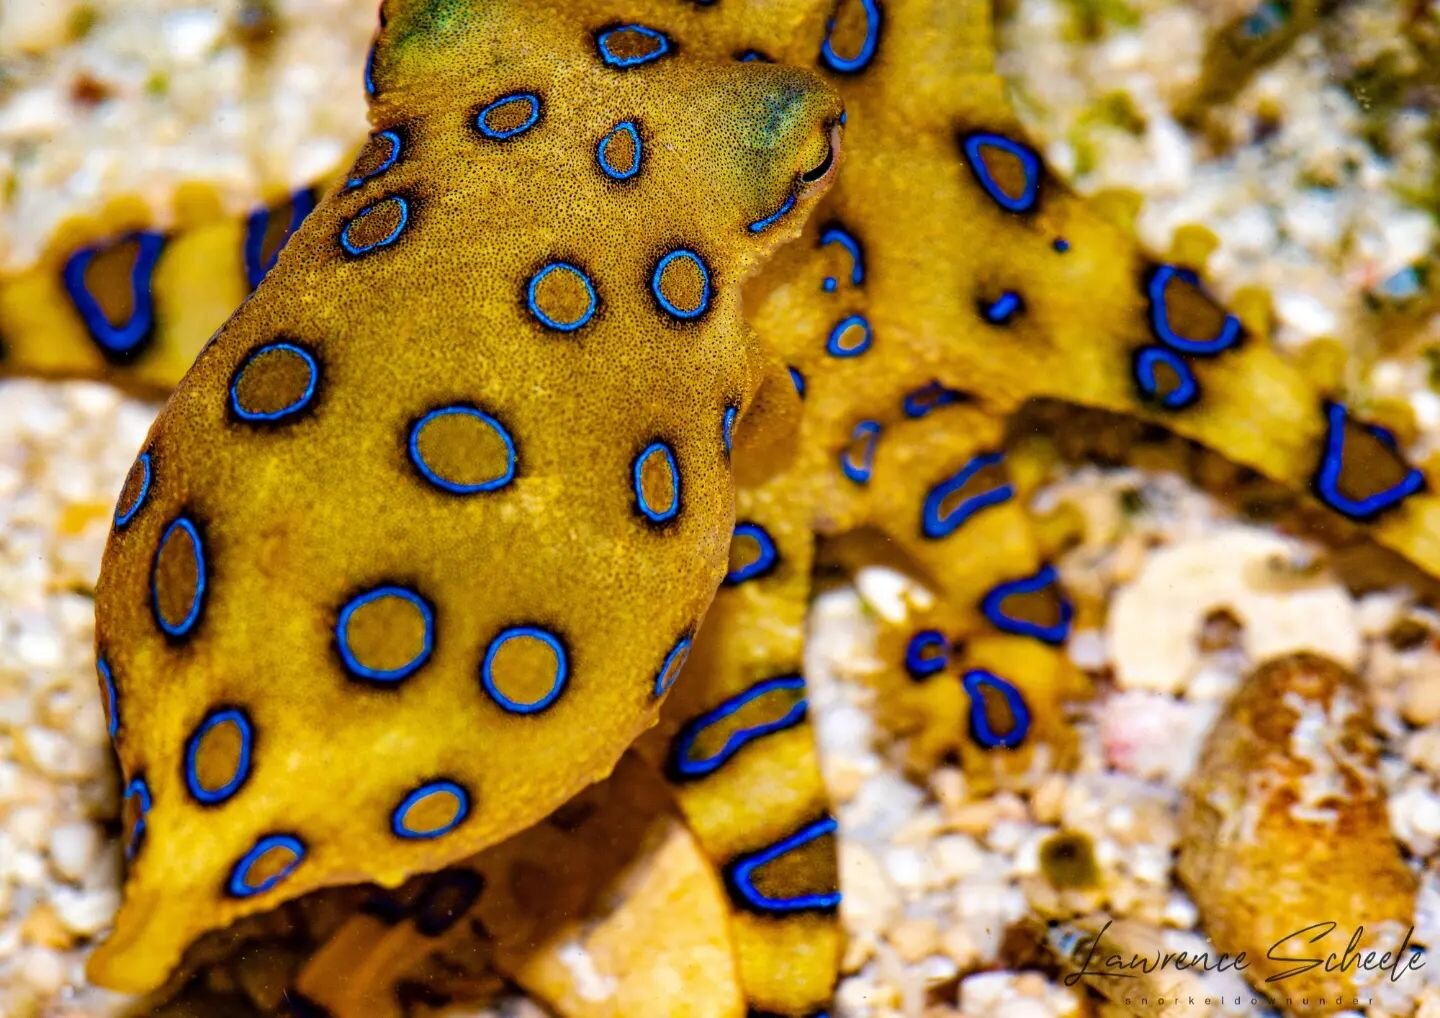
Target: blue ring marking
(869, 433)
(686, 767)
(930, 397)
(1003, 309)
(980, 729)
(833, 345)
(117, 341)
(921, 659)
(602, 42)
(1327, 478)
(656, 289)
(934, 526)
(740, 874)
(239, 884)
(551, 323)
(1147, 360)
(370, 69)
(462, 810)
(508, 100)
(286, 411)
(123, 517)
(992, 606)
(798, 379)
(1061, 245)
(418, 461)
(355, 251)
(396, 146)
(665, 515)
(562, 669)
(138, 786)
(112, 697)
(974, 146)
(257, 266)
(1227, 337)
(751, 56)
(603, 149)
(214, 796)
(839, 235)
(763, 224)
(764, 562)
(674, 662)
(852, 65)
(342, 626)
(727, 428)
(185, 625)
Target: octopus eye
(820, 170)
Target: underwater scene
(719, 508)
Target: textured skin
(977, 275)
(302, 511)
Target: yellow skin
(422, 633)
(300, 515)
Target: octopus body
(552, 396)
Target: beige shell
(1285, 827)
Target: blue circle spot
(370, 69)
(765, 560)
(937, 521)
(992, 606)
(417, 458)
(562, 669)
(198, 789)
(667, 512)
(975, 146)
(765, 222)
(606, 43)
(740, 874)
(1332, 466)
(342, 634)
(1160, 280)
(853, 65)
(139, 790)
(685, 766)
(121, 341)
(727, 428)
(399, 820)
(299, 403)
(112, 697)
(1003, 309)
(391, 158)
(180, 524)
(258, 262)
(867, 436)
(798, 378)
(837, 346)
(124, 514)
(658, 289)
(927, 654)
(356, 250)
(240, 885)
(838, 235)
(672, 666)
(1061, 245)
(533, 290)
(1148, 360)
(530, 119)
(930, 397)
(602, 152)
(981, 730)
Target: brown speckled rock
(1285, 826)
